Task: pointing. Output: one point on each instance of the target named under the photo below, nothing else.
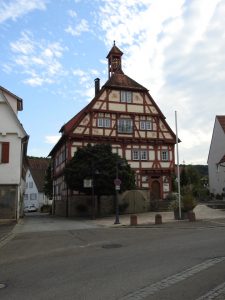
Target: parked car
(30, 208)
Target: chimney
(97, 86)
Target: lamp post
(117, 183)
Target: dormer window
(126, 96)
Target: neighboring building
(13, 148)
(216, 158)
(124, 115)
(35, 179)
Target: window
(30, 184)
(135, 154)
(145, 125)
(33, 196)
(139, 155)
(126, 96)
(125, 126)
(143, 155)
(4, 152)
(165, 155)
(25, 197)
(104, 122)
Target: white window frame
(145, 125)
(139, 154)
(126, 96)
(104, 122)
(165, 155)
(125, 126)
(135, 154)
(143, 155)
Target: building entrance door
(155, 190)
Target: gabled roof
(19, 100)
(12, 112)
(114, 50)
(38, 167)
(221, 120)
(120, 80)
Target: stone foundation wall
(135, 201)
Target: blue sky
(51, 52)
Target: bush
(46, 208)
(187, 203)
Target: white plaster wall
(10, 173)
(31, 190)
(217, 150)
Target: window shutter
(5, 152)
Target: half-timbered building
(124, 114)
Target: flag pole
(178, 168)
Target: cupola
(114, 60)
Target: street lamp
(117, 183)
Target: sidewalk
(205, 216)
(6, 231)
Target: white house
(35, 177)
(216, 158)
(13, 147)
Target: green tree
(183, 177)
(99, 163)
(193, 175)
(48, 183)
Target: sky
(52, 50)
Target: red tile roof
(114, 50)
(120, 80)
(38, 167)
(221, 120)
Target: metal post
(92, 191)
(178, 167)
(117, 220)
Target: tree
(48, 183)
(183, 177)
(100, 164)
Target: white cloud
(14, 9)
(76, 30)
(175, 49)
(39, 61)
(52, 139)
(72, 13)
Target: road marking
(214, 293)
(160, 285)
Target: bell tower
(114, 60)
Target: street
(98, 263)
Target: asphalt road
(113, 263)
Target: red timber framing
(123, 114)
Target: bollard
(158, 219)
(133, 220)
(191, 216)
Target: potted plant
(187, 204)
